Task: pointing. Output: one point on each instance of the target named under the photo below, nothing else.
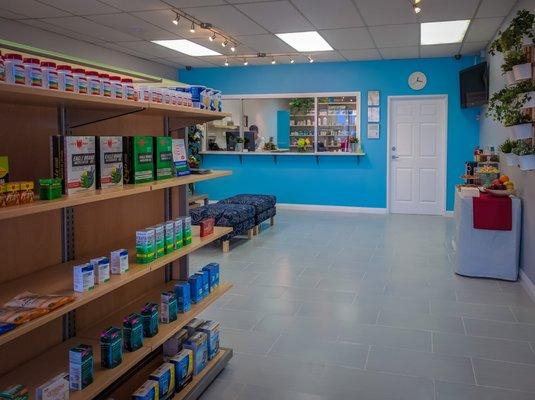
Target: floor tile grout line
(473, 369)
(367, 357)
(273, 344)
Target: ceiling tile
(41, 24)
(9, 14)
(126, 50)
(136, 5)
(195, 3)
(32, 9)
(174, 64)
(399, 52)
(385, 12)
(440, 50)
(276, 16)
(89, 28)
(163, 18)
(81, 7)
(330, 14)
(265, 43)
(328, 56)
(151, 49)
(349, 38)
(495, 8)
(447, 10)
(367, 54)
(482, 29)
(228, 19)
(133, 26)
(396, 35)
(473, 48)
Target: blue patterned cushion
(239, 229)
(224, 214)
(261, 202)
(265, 215)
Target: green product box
(169, 236)
(145, 246)
(150, 318)
(111, 347)
(109, 161)
(186, 230)
(159, 238)
(163, 157)
(138, 159)
(133, 332)
(4, 169)
(49, 189)
(81, 370)
(179, 236)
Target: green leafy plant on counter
(505, 105)
(301, 105)
(512, 58)
(353, 140)
(239, 139)
(507, 146)
(270, 146)
(512, 37)
(522, 148)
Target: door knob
(395, 157)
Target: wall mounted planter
(531, 100)
(522, 131)
(510, 78)
(526, 163)
(522, 72)
(511, 159)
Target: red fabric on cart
(493, 213)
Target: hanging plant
(513, 36)
(507, 146)
(512, 58)
(505, 105)
(301, 105)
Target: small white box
(84, 278)
(119, 261)
(101, 266)
(55, 389)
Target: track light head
(176, 19)
(192, 28)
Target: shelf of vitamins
(95, 168)
(31, 72)
(88, 363)
(73, 284)
(337, 123)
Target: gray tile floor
(348, 306)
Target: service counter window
(337, 122)
(224, 134)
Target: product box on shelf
(207, 226)
(180, 158)
(213, 271)
(194, 325)
(169, 236)
(205, 282)
(119, 262)
(110, 165)
(159, 238)
(198, 344)
(133, 332)
(101, 267)
(183, 364)
(174, 344)
(163, 157)
(145, 246)
(148, 391)
(56, 388)
(212, 329)
(4, 169)
(183, 296)
(168, 310)
(186, 231)
(81, 370)
(165, 376)
(149, 317)
(15, 392)
(111, 347)
(138, 159)
(84, 277)
(196, 288)
(179, 234)
(73, 160)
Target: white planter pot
(527, 163)
(522, 131)
(527, 41)
(511, 159)
(510, 78)
(522, 72)
(531, 100)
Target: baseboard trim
(528, 285)
(318, 207)
(449, 214)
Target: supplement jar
(116, 87)
(34, 74)
(93, 83)
(128, 89)
(50, 75)
(65, 78)
(80, 81)
(105, 85)
(15, 72)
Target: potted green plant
(301, 105)
(270, 146)
(302, 144)
(526, 96)
(239, 144)
(511, 59)
(354, 141)
(506, 148)
(526, 155)
(518, 33)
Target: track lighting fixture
(212, 38)
(273, 61)
(245, 62)
(226, 62)
(224, 44)
(416, 6)
(233, 47)
(310, 59)
(291, 60)
(176, 19)
(192, 29)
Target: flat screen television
(474, 83)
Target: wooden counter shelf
(26, 95)
(40, 206)
(58, 279)
(55, 360)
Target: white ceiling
(356, 29)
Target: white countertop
(282, 153)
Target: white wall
(263, 113)
(28, 35)
(492, 133)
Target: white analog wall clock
(417, 80)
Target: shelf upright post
(67, 232)
(168, 200)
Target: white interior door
(417, 152)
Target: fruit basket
(500, 193)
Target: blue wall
(338, 180)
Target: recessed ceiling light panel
(443, 32)
(305, 41)
(187, 47)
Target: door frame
(444, 143)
